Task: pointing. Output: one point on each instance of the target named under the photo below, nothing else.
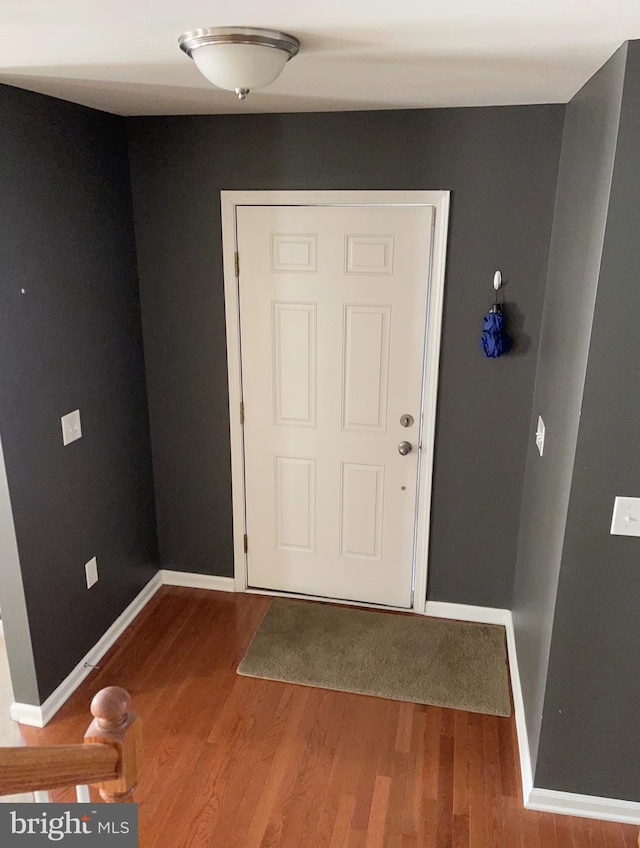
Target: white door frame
(439, 200)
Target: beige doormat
(405, 657)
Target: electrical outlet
(91, 570)
(71, 428)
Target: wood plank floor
(236, 762)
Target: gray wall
(72, 340)
(590, 729)
(501, 165)
(584, 183)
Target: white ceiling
(122, 56)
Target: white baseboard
(587, 806)
(26, 714)
(39, 716)
(191, 580)
(526, 771)
(467, 612)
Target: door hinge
(242, 412)
(236, 260)
(246, 543)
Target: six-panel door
(333, 305)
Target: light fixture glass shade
(232, 66)
(239, 58)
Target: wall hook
(497, 280)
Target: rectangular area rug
(405, 657)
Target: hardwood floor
(236, 762)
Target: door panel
(293, 338)
(295, 504)
(366, 367)
(361, 499)
(333, 307)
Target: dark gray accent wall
(501, 166)
(70, 337)
(590, 728)
(584, 184)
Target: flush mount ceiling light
(239, 58)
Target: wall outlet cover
(91, 571)
(626, 517)
(71, 427)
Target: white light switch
(540, 435)
(626, 517)
(71, 429)
(91, 570)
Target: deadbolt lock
(406, 420)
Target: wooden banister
(108, 758)
(32, 769)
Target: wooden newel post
(114, 724)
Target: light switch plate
(71, 428)
(626, 517)
(91, 570)
(540, 435)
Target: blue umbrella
(494, 341)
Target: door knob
(404, 448)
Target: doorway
(334, 303)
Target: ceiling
(122, 56)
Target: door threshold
(337, 601)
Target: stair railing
(108, 759)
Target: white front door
(333, 307)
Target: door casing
(439, 200)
